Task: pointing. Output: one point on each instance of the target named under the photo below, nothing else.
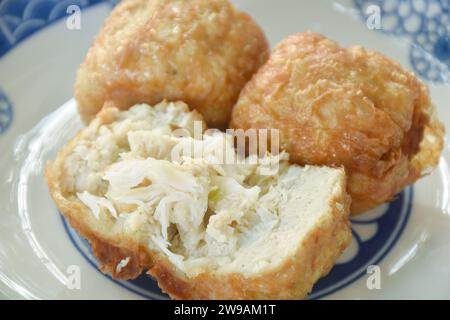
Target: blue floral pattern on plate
(427, 25)
(6, 112)
(21, 18)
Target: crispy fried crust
(294, 279)
(198, 51)
(345, 106)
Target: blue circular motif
(6, 112)
(427, 25)
(369, 249)
(441, 48)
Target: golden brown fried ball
(199, 51)
(352, 107)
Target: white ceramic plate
(41, 256)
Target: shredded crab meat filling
(175, 188)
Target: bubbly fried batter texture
(345, 106)
(199, 51)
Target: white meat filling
(192, 207)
